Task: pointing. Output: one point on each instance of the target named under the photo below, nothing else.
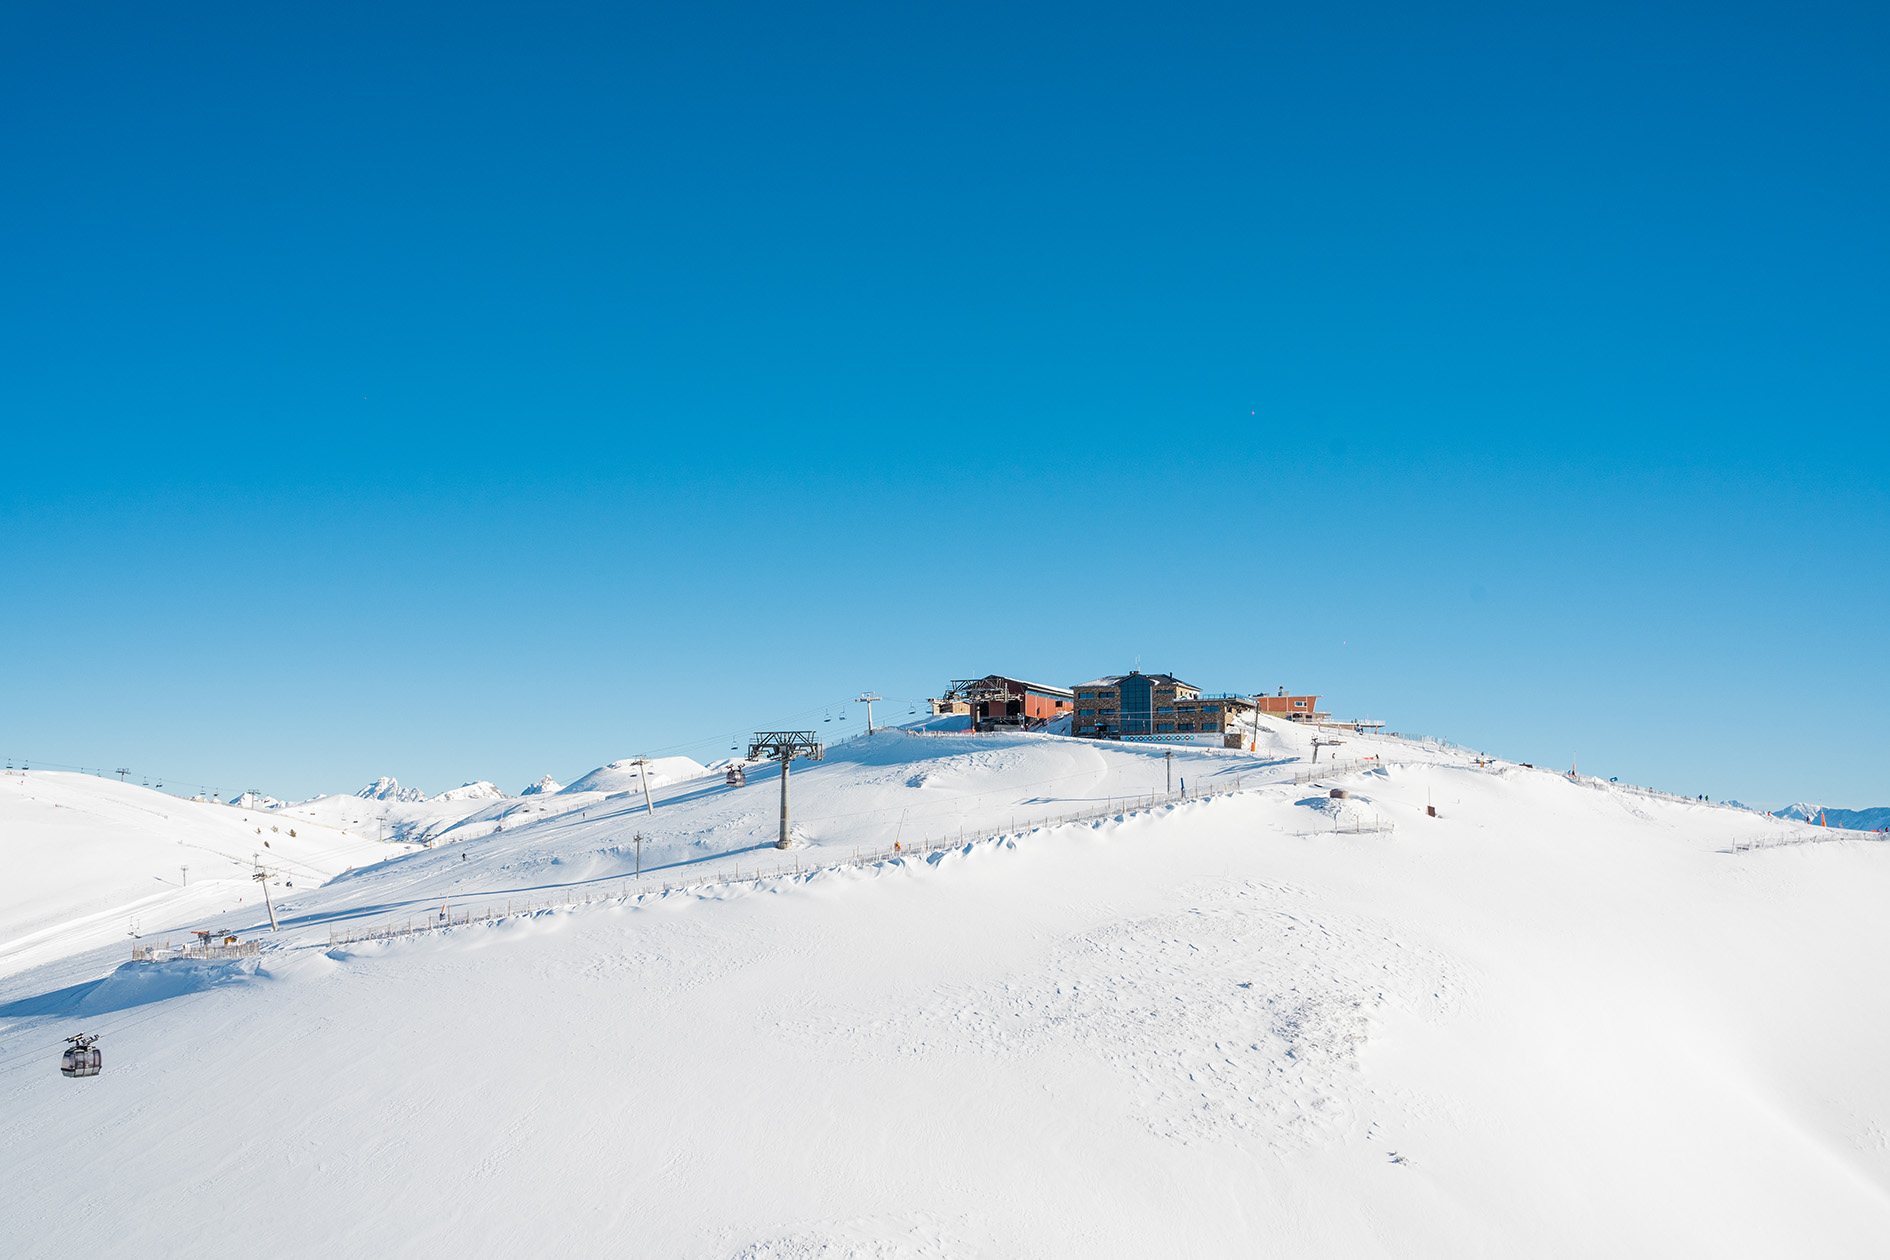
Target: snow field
(1552, 1021)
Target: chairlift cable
(30, 1057)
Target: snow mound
(388, 789)
(626, 776)
(141, 983)
(543, 787)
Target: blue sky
(484, 392)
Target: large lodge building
(1143, 708)
(1137, 705)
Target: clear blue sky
(487, 391)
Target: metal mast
(867, 698)
(262, 877)
(785, 746)
(642, 765)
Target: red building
(995, 700)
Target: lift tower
(975, 691)
(262, 877)
(785, 746)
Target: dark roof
(1110, 680)
(1026, 685)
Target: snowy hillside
(89, 860)
(627, 776)
(1465, 1010)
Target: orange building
(1298, 708)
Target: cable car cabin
(737, 777)
(81, 1057)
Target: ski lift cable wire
(29, 1058)
(784, 720)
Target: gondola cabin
(81, 1057)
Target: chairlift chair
(81, 1057)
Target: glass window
(1164, 726)
(1086, 713)
(1138, 705)
(1187, 726)
(1166, 709)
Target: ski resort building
(995, 701)
(1298, 708)
(1154, 707)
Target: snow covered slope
(88, 859)
(396, 813)
(1559, 1018)
(626, 776)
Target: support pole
(262, 877)
(784, 746)
(782, 843)
(643, 771)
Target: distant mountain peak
(543, 787)
(482, 790)
(389, 789)
(1874, 819)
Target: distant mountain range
(1875, 819)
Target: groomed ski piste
(1074, 1013)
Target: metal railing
(1331, 769)
(194, 953)
(1809, 834)
(796, 867)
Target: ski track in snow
(1238, 1019)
